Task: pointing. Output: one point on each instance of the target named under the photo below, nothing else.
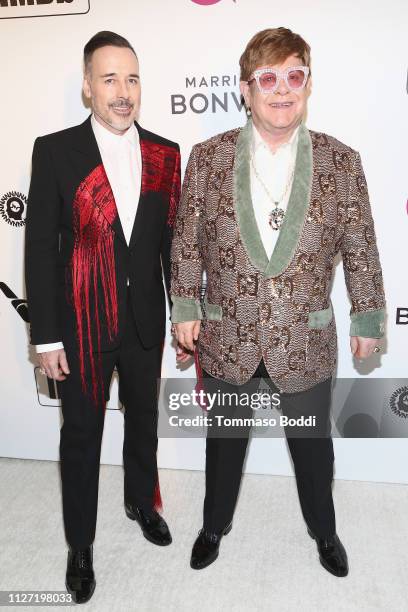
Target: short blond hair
(272, 46)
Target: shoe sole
(133, 517)
(226, 532)
(324, 564)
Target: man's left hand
(182, 354)
(363, 347)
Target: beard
(112, 115)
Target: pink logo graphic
(207, 2)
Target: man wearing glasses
(264, 211)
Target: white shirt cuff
(53, 346)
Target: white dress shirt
(121, 157)
(122, 160)
(274, 169)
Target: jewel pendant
(275, 218)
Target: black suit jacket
(77, 260)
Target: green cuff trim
(185, 309)
(369, 324)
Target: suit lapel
(138, 223)
(247, 224)
(298, 204)
(87, 157)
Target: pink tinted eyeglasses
(268, 79)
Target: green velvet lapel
(298, 204)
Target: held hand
(187, 333)
(54, 364)
(182, 354)
(363, 347)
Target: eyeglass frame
(279, 75)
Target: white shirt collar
(107, 139)
(258, 141)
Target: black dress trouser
(311, 452)
(81, 432)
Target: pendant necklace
(277, 214)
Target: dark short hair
(272, 46)
(104, 39)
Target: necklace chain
(277, 214)
(268, 193)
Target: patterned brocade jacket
(278, 309)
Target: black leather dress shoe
(206, 547)
(332, 554)
(80, 578)
(153, 525)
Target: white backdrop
(359, 96)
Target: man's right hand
(54, 364)
(187, 333)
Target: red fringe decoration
(175, 192)
(157, 500)
(199, 385)
(94, 210)
(161, 173)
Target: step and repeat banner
(188, 52)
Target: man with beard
(101, 207)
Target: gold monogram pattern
(327, 235)
(327, 184)
(316, 212)
(300, 313)
(306, 262)
(341, 212)
(353, 213)
(229, 307)
(341, 161)
(211, 230)
(230, 354)
(216, 180)
(268, 317)
(247, 284)
(226, 206)
(282, 287)
(280, 337)
(227, 257)
(247, 333)
(320, 140)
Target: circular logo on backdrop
(399, 402)
(207, 2)
(13, 207)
